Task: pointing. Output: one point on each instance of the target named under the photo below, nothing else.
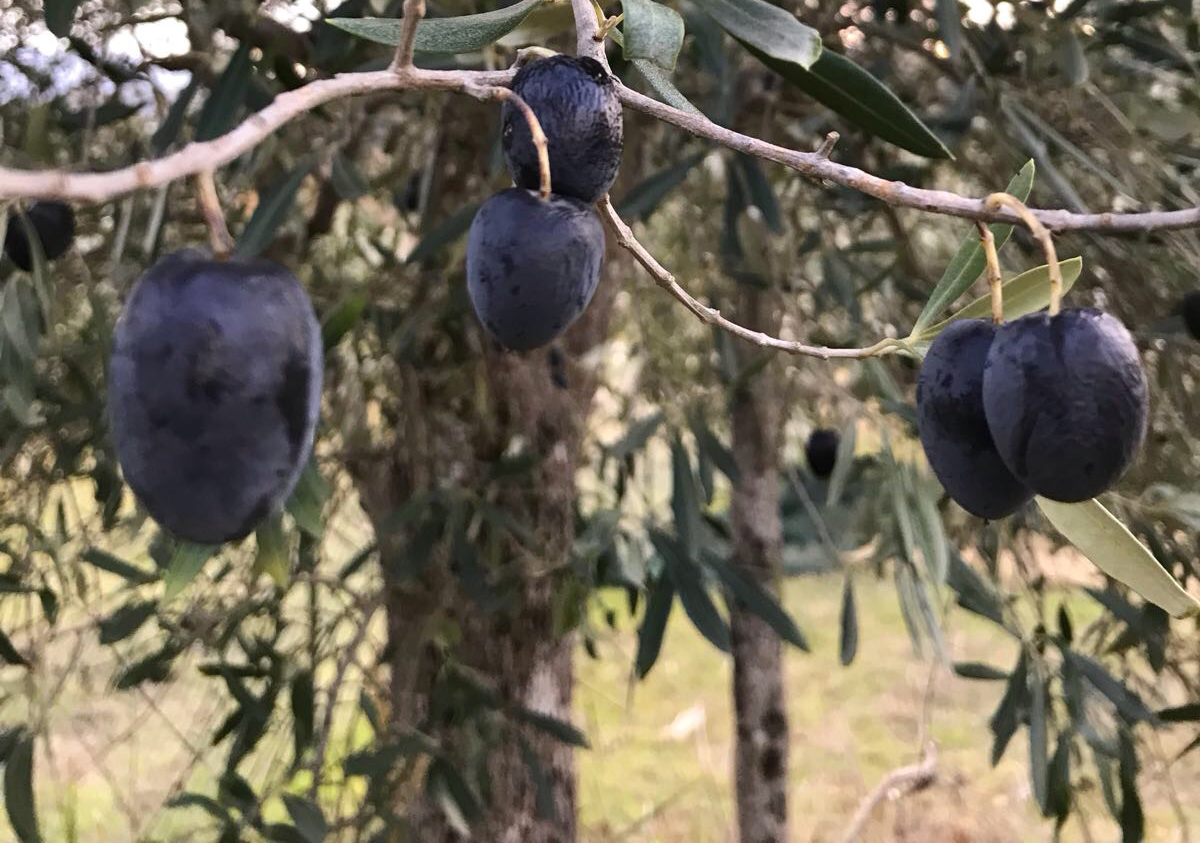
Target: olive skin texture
(821, 451)
(953, 427)
(54, 223)
(1189, 308)
(1066, 401)
(576, 103)
(214, 388)
(532, 265)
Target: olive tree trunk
(514, 647)
(453, 439)
(761, 745)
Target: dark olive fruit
(1066, 401)
(214, 389)
(54, 223)
(1190, 310)
(953, 427)
(576, 103)
(532, 265)
(821, 451)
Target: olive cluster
(533, 264)
(1048, 405)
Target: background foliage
(258, 674)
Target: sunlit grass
(646, 782)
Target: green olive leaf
(272, 556)
(459, 34)
(1114, 550)
(660, 83)
(653, 32)
(189, 558)
(842, 86)
(272, 211)
(18, 790)
(767, 28)
(1027, 293)
(59, 14)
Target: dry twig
(896, 784)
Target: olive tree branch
(588, 40)
(712, 316)
(899, 194)
(196, 157)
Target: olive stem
(609, 25)
(414, 11)
(995, 279)
(210, 205)
(996, 201)
(539, 138)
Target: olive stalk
(995, 280)
(996, 201)
(210, 206)
(539, 138)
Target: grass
(659, 769)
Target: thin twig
(214, 218)
(712, 316)
(998, 200)
(539, 137)
(825, 149)
(414, 10)
(995, 279)
(897, 783)
(346, 658)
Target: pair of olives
(1048, 405)
(533, 264)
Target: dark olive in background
(54, 223)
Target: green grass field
(659, 769)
